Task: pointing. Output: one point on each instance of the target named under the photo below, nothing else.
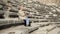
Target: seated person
(23, 16)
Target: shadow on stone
(10, 25)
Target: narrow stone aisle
(44, 30)
(39, 31)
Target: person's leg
(29, 23)
(25, 22)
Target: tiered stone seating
(35, 10)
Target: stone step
(12, 13)
(36, 17)
(49, 28)
(19, 30)
(38, 20)
(2, 12)
(9, 21)
(43, 24)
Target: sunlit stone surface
(46, 16)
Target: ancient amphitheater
(43, 14)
